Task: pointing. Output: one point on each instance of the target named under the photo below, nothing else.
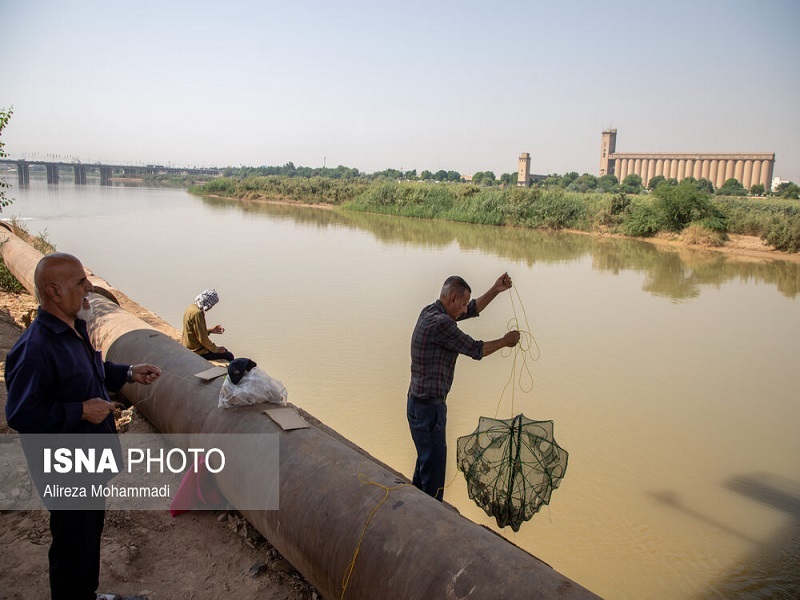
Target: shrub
(384, 194)
(484, 206)
(642, 220)
(222, 185)
(519, 205)
(438, 197)
(8, 282)
(620, 203)
(555, 211)
(680, 205)
(755, 216)
(784, 234)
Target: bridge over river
(106, 170)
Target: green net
(512, 467)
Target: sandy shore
(741, 246)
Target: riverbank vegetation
(306, 190)
(173, 179)
(690, 209)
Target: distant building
(524, 177)
(524, 170)
(747, 168)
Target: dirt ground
(739, 246)
(197, 555)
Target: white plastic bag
(255, 387)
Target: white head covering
(206, 299)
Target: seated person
(195, 331)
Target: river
(671, 376)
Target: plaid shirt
(435, 345)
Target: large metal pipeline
(20, 258)
(414, 547)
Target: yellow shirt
(195, 332)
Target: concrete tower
(524, 170)
(608, 148)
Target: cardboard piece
(286, 417)
(212, 373)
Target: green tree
(632, 184)
(426, 175)
(608, 183)
(389, 174)
(705, 185)
(788, 189)
(732, 187)
(508, 179)
(568, 178)
(5, 115)
(656, 181)
(584, 183)
(412, 175)
(440, 175)
(757, 189)
(551, 181)
(455, 176)
(483, 178)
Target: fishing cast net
(511, 466)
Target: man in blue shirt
(435, 345)
(58, 383)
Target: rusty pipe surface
(19, 256)
(414, 546)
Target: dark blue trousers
(75, 553)
(428, 424)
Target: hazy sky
(454, 85)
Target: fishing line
(526, 350)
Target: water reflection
(770, 569)
(677, 274)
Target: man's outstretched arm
(502, 284)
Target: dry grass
(697, 235)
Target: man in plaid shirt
(435, 345)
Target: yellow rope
(523, 351)
(348, 572)
(446, 485)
